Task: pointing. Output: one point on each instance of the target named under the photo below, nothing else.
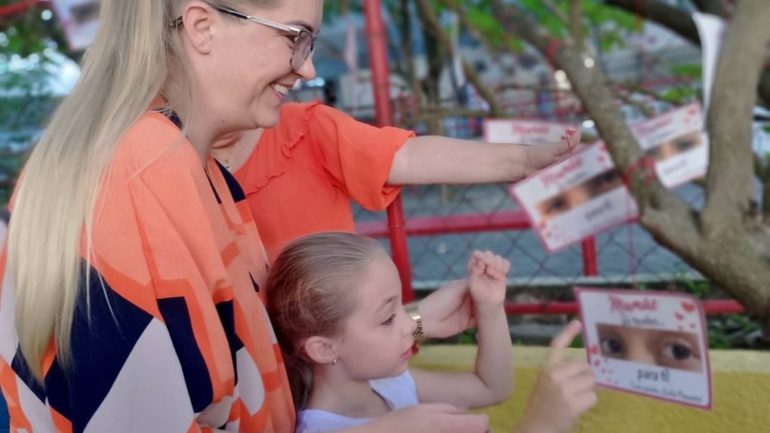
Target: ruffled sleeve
(357, 156)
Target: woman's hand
(564, 389)
(540, 156)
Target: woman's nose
(307, 70)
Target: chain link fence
(624, 255)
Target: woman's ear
(320, 349)
(199, 20)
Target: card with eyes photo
(578, 197)
(525, 131)
(649, 343)
(677, 143)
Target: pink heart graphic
(593, 350)
(688, 307)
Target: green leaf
(678, 95)
(694, 70)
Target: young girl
(335, 302)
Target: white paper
(525, 131)
(711, 31)
(576, 198)
(648, 343)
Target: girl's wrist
(486, 308)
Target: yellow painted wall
(741, 393)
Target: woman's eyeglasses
(304, 41)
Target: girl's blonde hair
(135, 56)
(310, 292)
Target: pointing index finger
(562, 341)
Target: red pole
(399, 248)
(590, 267)
(378, 63)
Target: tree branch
(466, 25)
(432, 25)
(638, 89)
(576, 22)
(713, 7)
(671, 17)
(681, 23)
(627, 98)
(407, 53)
(729, 118)
(486, 94)
(552, 8)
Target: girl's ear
(320, 349)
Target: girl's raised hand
(486, 278)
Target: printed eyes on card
(648, 343)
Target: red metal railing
(508, 220)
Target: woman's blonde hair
(135, 56)
(310, 292)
